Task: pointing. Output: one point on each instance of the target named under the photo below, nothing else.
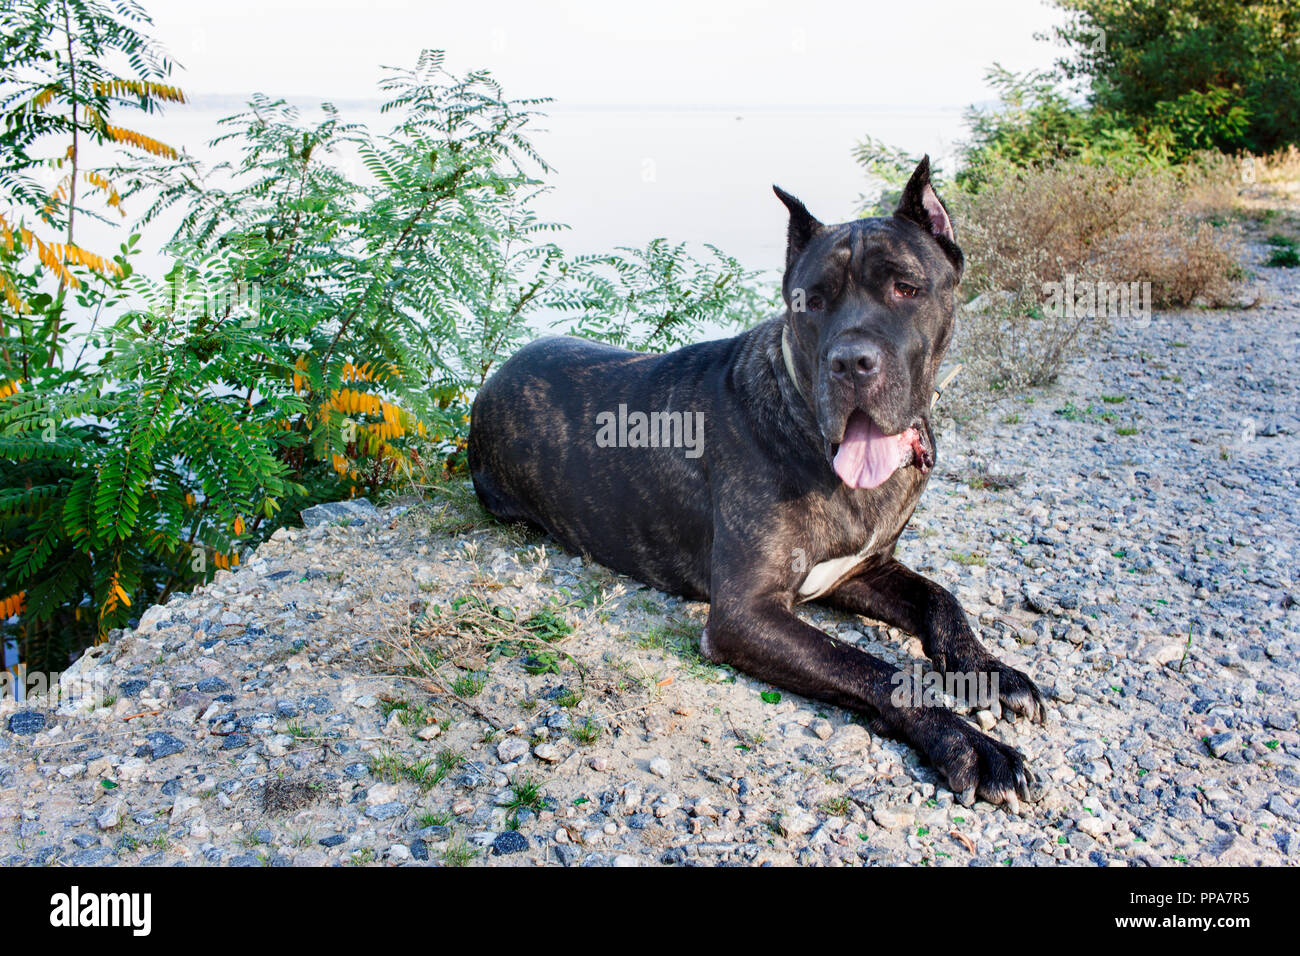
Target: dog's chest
(823, 576)
(880, 534)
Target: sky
(670, 119)
(679, 53)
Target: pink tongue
(867, 456)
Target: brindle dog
(816, 446)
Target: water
(623, 177)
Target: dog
(809, 445)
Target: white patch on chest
(824, 576)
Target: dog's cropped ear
(803, 226)
(921, 204)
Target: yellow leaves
(140, 141)
(238, 526)
(16, 301)
(340, 464)
(114, 595)
(103, 185)
(190, 500)
(10, 386)
(56, 257)
(13, 604)
(223, 561)
(144, 89)
(351, 402)
(43, 98)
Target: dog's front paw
(974, 764)
(1019, 695)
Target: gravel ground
(348, 696)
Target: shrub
(1031, 233)
(322, 333)
(1213, 73)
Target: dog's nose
(855, 362)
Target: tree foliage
(337, 297)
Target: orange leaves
(225, 561)
(130, 137)
(238, 526)
(13, 604)
(10, 386)
(114, 596)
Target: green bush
(1221, 74)
(338, 296)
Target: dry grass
(1079, 223)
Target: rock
(386, 811)
(110, 815)
(151, 618)
(986, 720)
(182, 806)
(547, 752)
(1093, 826)
(892, 818)
(356, 510)
(509, 841)
(26, 722)
(822, 729)
(428, 732)
(1224, 745)
(161, 745)
(511, 749)
(796, 821)
(660, 767)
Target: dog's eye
(815, 303)
(905, 291)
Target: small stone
(386, 811)
(399, 852)
(986, 720)
(796, 821)
(428, 731)
(1093, 826)
(547, 752)
(598, 764)
(891, 818)
(27, 722)
(511, 749)
(110, 815)
(162, 745)
(822, 728)
(509, 841)
(182, 806)
(1224, 744)
(660, 767)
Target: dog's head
(869, 314)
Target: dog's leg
(904, 599)
(765, 639)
